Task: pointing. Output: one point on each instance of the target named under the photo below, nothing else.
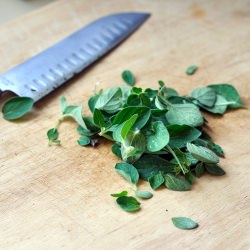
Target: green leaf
(128, 77)
(180, 135)
(191, 70)
(156, 181)
(83, 141)
(128, 125)
(184, 114)
(52, 135)
(128, 203)
(142, 112)
(219, 107)
(123, 193)
(116, 150)
(149, 165)
(133, 146)
(214, 169)
(143, 194)
(128, 171)
(110, 101)
(215, 148)
(184, 223)
(202, 154)
(63, 103)
(75, 112)
(158, 138)
(199, 169)
(205, 95)
(175, 183)
(16, 107)
(229, 93)
(92, 102)
(190, 178)
(98, 118)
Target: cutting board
(58, 197)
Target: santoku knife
(41, 74)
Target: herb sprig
(158, 135)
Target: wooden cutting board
(59, 197)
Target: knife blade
(43, 73)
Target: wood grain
(59, 197)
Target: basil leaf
(156, 181)
(180, 135)
(229, 93)
(110, 101)
(202, 154)
(143, 194)
(149, 165)
(199, 169)
(123, 193)
(205, 95)
(191, 70)
(128, 77)
(98, 118)
(184, 223)
(214, 169)
(158, 138)
(128, 171)
(83, 141)
(128, 203)
(142, 112)
(187, 114)
(175, 183)
(16, 107)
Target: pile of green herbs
(158, 135)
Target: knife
(43, 73)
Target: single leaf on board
(16, 107)
(128, 203)
(191, 70)
(128, 77)
(143, 194)
(184, 223)
(123, 193)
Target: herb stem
(176, 158)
